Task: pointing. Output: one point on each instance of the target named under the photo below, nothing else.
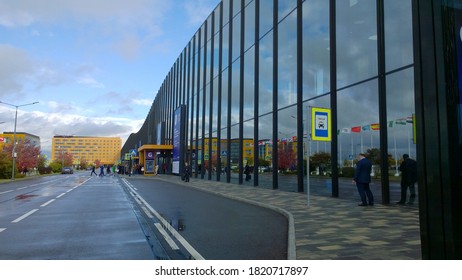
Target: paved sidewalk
(330, 228)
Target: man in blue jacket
(363, 178)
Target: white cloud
(199, 10)
(90, 82)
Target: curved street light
(14, 134)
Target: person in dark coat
(187, 172)
(408, 170)
(247, 172)
(362, 178)
(93, 171)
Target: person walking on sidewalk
(362, 178)
(187, 172)
(408, 170)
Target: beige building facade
(106, 150)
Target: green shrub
(348, 172)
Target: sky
(94, 66)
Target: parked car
(67, 170)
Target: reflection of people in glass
(408, 170)
(247, 172)
(363, 178)
(187, 172)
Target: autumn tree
(67, 158)
(286, 157)
(27, 155)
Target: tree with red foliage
(68, 159)
(27, 155)
(286, 157)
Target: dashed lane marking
(48, 202)
(61, 195)
(2, 229)
(24, 216)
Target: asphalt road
(75, 216)
(217, 227)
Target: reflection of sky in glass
(398, 33)
(316, 52)
(356, 42)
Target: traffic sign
(321, 124)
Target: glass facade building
(252, 73)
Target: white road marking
(175, 233)
(25, 216)
(150, 216)
(61, 195)
(22, 188)
(2, 229)
(6, 191)
(166, 237)
(48, 202)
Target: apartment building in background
(7, 138)
(87, 148)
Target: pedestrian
(101, 171)
(108, 170)
(247, 172)
(93, 171)
(187, 172)
(362, 178)
(408, 170)
(113, 170)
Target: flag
(367, 127)
(345, 130)
(410, 119)
(2, 139)
(356, 129)
(390, 124)
(375, 126)
(400, 121)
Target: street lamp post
(14, 134)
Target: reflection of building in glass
(248, 84)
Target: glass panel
(225, 12)
(249, 84)
(224, 124)
(285, 7)
(287, 149)
(225, 47)
(265, 151)
(266, 17)
(356, 41)
(216, 55)
(316, 49)
(287, 61)
(234, 154)
(236, 7)
(249, 26)
(209, 61)
(266, 75)
(248, 152)
(400, 111)
(398, 33)
(236, 37)
(358, 124)
(217, 19)
(214, 108)
(235, 96)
